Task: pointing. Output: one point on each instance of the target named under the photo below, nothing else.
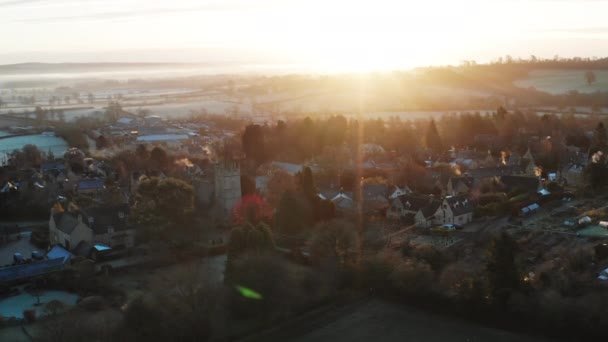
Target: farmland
(563, 81)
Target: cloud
(208, 6)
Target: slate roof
(58, 252)
(487, 172)
(431, 209)
(66, 221)
(524, 182)
(90, 184)
(52, 166)
(459, 204)
(373, 191)
(415, 203)
(343, 200)
(466, 180)
(163, 137)
(101, 218)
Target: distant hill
(80, 67)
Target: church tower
(227, 180)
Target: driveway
(22, 246)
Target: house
(68, 227)
(455, 210)
(573, 174)
(110, 225)
(413, 208)
(398, 191)
(459, 185)
(343, 201)
(528, 165)
(107, 225)
(425, 211)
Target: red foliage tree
(251, 209)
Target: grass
(563, 81)
(594, 230)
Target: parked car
(450, 226)
(37, 255)
(18, 258)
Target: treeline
(301, 140)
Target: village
(149, 193)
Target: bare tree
(590, 77)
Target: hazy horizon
(324, 36)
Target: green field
(563, 81)
(594, 231)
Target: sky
(324, 35)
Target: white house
(106, 225)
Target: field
(563, 81)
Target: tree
(432, 140)
(590, 77)
(163, 203)
(113, 111)
(61, 115)
(102, 142)
(251, 209)
(28, 156)
(142, 152)
(335, 241)
(253, 143)
(249, 240)
(40, 114)
(600, 138)
(294, 214)
(279, 183)
(501, 270)
(306, 183)
(159, 157)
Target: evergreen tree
(600, 138)
(432, 139)
(501, 269)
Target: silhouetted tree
(590, 77)
(253, 143)
(501, 270)
(432, 139)
(159, 157)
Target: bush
(580, 259)
(431, 256)
(29, 315)
(412, 279)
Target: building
(108, 225)
(227, 181)
(425, 211)
(459, 185)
